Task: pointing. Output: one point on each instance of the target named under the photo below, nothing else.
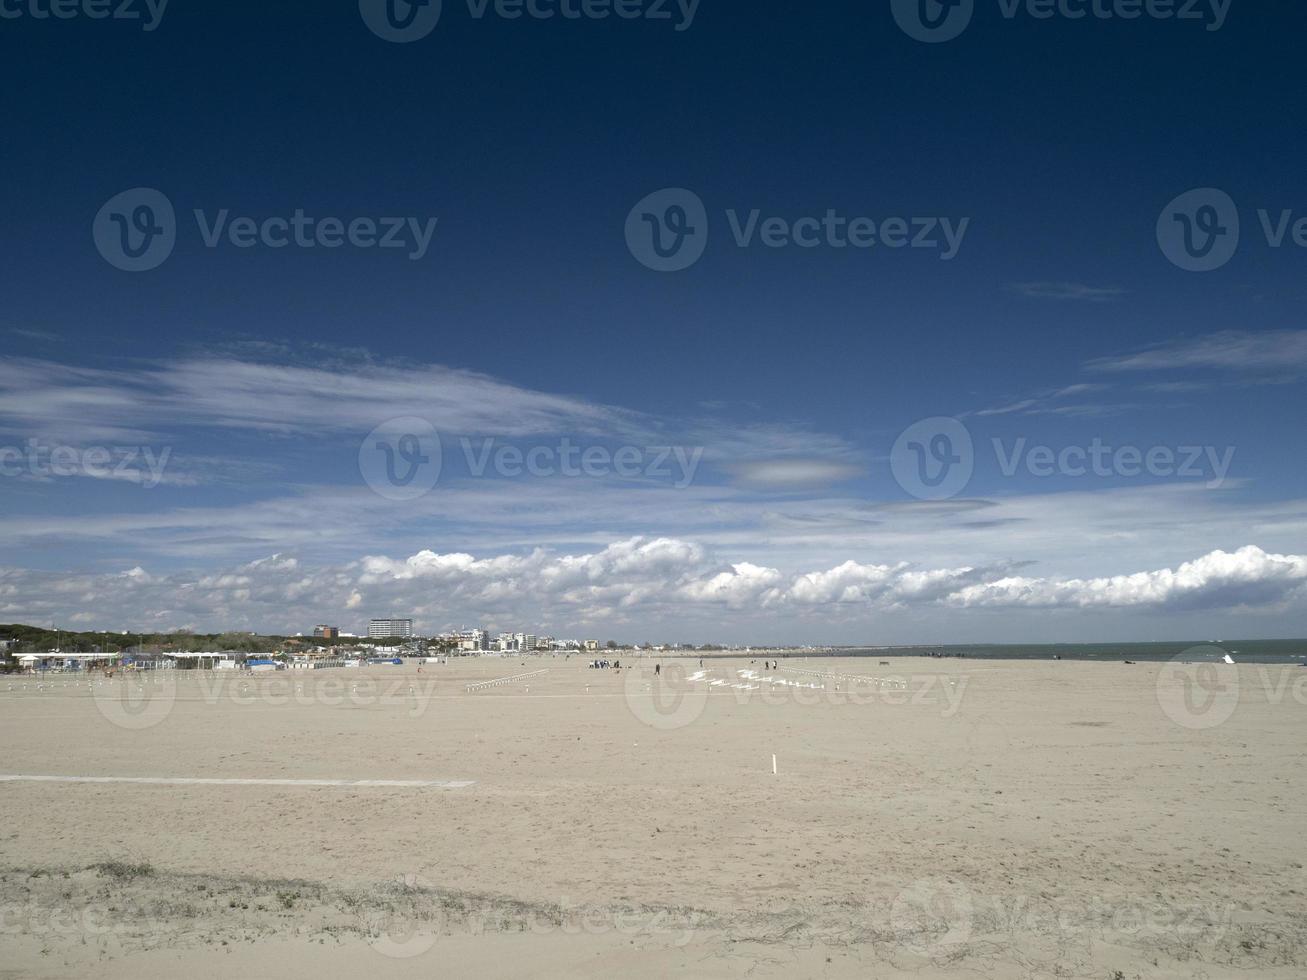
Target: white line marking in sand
(178, 781)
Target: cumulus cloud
(666, 574)
(742, 586)
(1248, 577)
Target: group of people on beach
(605, 665)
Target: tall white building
(390, 629)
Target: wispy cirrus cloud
(1276, 357)
(298, 403)
(1269, 351)
(1068, 291)
(226, 393)
(1067, 400)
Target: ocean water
(1243, 651)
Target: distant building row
(467, 640)
(378, 629)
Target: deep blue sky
(1061, 141)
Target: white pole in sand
(773, 765)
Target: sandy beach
(929, 818)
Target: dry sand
(929, 819)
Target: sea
(1198, 651)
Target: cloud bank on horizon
(614, 586)
(787, 530)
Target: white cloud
(743, 586)
(79, 405)
(1247, 578)
(795, 472)
(665, 575)
(1272, 350)
(1075, 291)
(1051, 402)
(572, 549)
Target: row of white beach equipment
(500, 681)
(896, 682)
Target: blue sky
(760, 393)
